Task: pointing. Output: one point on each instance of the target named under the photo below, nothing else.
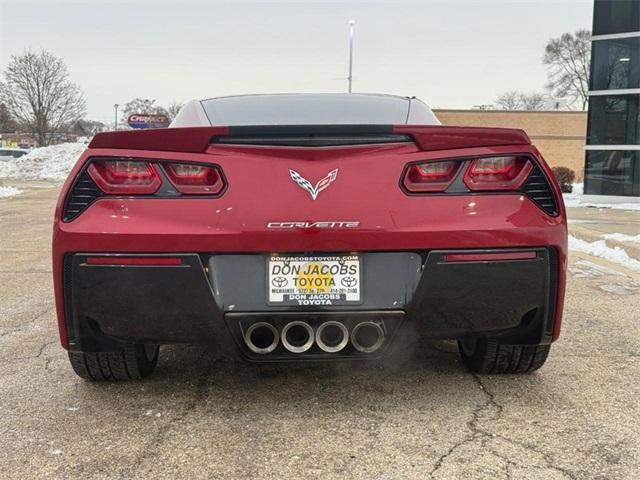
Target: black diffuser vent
(538, 189)
(82, 194)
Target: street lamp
(352, 24)
(115, 123)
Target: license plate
(314, 280)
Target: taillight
(497, 173)
(194, 179)
(124, 177)
(431, 176)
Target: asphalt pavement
(417, 414)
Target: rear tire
(132, 363)
(488, 355)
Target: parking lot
(415, 415)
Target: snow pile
(622, 237)
(574, 199)
(9, 191)
(600, 249)
(46, 163)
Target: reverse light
(194, 179)
(430, 176)
(124, 177)
(497, 173)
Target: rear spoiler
(198, 139)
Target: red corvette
(308, 227)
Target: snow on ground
(622, 237)
(46, 163)
(9, 191)
(574, 199)
(600, 249)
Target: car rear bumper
(212, 298)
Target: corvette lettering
(311, 225)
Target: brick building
(560, 135)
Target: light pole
(115, 123)
(352, 24)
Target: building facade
(558, 134)
(612, 160)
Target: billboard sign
(145, 120)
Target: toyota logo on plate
(349, 282)
(279, 282)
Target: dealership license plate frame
(349, 258)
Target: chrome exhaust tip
(367, 337)
(332, 336)
(261, 337)
(297, 336)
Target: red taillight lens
(497, 173)
(431, 176)
(124, 177)
(195, 179)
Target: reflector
(488, 257)
(146, 261)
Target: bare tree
(87, 128)
(514, 100)
(173, 109)
(509, 100)
(533, 101)
(142, 105)
(39, 96)
(7, 123)
(568, 58)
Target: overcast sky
(452, 54)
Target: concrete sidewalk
(590, 224)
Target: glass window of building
(615, 64)
(613, 120)
(616, 16)
(613, 173)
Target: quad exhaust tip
(367, 337)
(261, 337)
(297, 336)
(332, 336)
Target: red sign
(145, 120)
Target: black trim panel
(265, 130)
(108, 305)
(82, 194)
(313, 140)
(508, 298)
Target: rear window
(301, 109)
